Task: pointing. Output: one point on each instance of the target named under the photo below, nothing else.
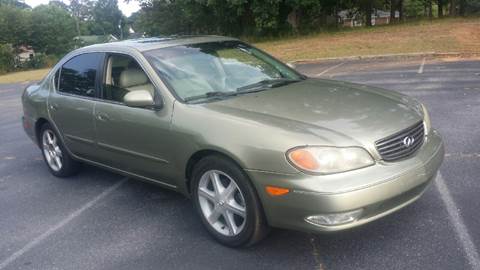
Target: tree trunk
(400, 10)
(430, 9)
(77, 26)
(461, 8)
(453, 5)
(368, 13)
(440, 8)
(393, 10)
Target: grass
(447, 35)
(22, 76)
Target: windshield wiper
(209, 95)
(254, 87)
(264, 84)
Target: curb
(386, 56)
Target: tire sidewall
(243, 183)
(69, 166)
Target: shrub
(6, 58)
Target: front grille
(395, 147)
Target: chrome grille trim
(392, 147)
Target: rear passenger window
(79, 74)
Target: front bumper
(378, 190)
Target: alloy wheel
(51, 150)
(222, 203)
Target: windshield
(218, 70)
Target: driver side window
(122, 75)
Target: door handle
(53, 107)
(102, 117)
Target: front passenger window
(123, 75)
(78, 75)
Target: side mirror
(139, 98)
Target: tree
(440, 8)
(400, 10)
(14, 3)
(393, 10)
(107, 18)
(14, 25)
(52, 30)
(366, 6)
(81, 11)
(453, 8)
(6, 58)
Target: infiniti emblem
(408, 141)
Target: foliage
(14, 25)
(6, 58)
(50, 29)
(472, 7)
(14, 3)
(53, 30)
(107, 18)
(414, 8)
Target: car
(253, 143)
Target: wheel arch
(38, 127)
(199, 155)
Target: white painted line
(457, 222)
(316, 254)
(60, 224)
(420, 69)
(329, 69)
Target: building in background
(24, 54)
(351, 18)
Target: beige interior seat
(134, 79)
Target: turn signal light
(276, 191)
(304, 159)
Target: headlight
(327, 160)
(426, 120)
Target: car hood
(362, 113)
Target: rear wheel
(55, 155)
(227, 203)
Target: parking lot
(101, 220)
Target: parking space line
(316, 254)
(420, 69)
(329, 69)
(457, 222)
(60, 224)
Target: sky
(127, 9)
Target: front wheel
(227, 203)
(54, 153)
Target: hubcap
(222, 203)
(51, 150)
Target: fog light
(334, 219)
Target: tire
(226, 223)
(57, 158)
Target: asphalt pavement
(101, 220)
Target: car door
(71, 104)
(135, 140)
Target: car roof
(147, 44)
